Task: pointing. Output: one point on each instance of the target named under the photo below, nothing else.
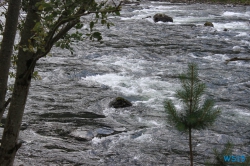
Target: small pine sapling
(195, 114)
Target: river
(68, 122)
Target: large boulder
(208, 24)
(162, 17)
(120, 102)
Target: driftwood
(237, 59)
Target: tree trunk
(6, 49)
(9, 144)
(190, 146)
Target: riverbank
(233, 2)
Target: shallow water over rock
(68, 121)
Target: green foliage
(60, 24)
(194, 114)
(227, 151)
(56, 14)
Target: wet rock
(120, 129)
(24, 126)
(82, 135)
(208, 24)
(225, 29)
(120, 102)
(104, 131)
(162, 17)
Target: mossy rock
(120, 102)
(209, 24)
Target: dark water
(67, 120)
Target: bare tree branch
(3, 3)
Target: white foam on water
(217, 57)
(232, 26)
(245, 113)
(96, 140)
(241, 34)
(191, 19)
(149, 11)
(231, 14)
(153, 91)
(161, 2)
(144, 138)
(149, 122)
(242, 114)
(245, 43)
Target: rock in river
(120, 102)
(162, 17)
(208, 24)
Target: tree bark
(7, 48)
(190, 146)
(9, 144)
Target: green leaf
(37, 26)
(103, 22)
(97, 15)
(117, 13)
(97, 35)
(40, 7)
(25, 49)
(79, 26)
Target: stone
(82, 135)
(208, 24)
(162, 17)
(120, 102)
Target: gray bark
(9, 144)
(6, 49)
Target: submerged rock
(162, 17)
(82, 135)
(120, 102)
(209, 24)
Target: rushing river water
(68, 122)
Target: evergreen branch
(171, 112)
